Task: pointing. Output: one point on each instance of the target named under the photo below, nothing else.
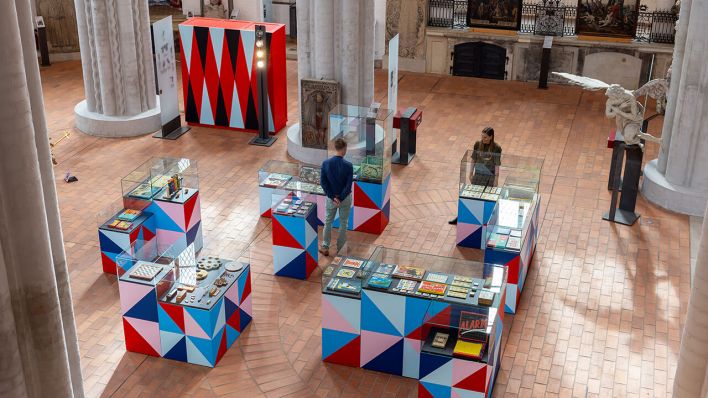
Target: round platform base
(99, 125)
(317, 156)
(669, 196)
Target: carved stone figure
(317, 98)
(622, 104)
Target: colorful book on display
(409, 272)
(380, 281)
(468, 349)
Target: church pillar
(678, 180)
(119, 80)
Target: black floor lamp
(263, 139)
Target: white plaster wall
(249, 10)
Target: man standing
(336, 180)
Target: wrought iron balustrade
(554, 18)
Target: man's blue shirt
(336, 177)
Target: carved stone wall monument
(317, 98)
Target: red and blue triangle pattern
(219, 74)
(187, 334)
(178, 223)
(133, 242)
(472, 218)
(295, 252)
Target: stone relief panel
(407, 18)
(317, 98)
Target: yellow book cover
(468, 349)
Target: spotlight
(259, 43)
(259, 53)
(260, 64)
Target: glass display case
(482, 174)
(367, 132)
(434, 277)
(285, 202)
(162, 178)
(343, 276)
(195, 279)
(115, 217)
(510, 220)
(276, 173)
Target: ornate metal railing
(554, 18)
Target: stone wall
(408, 18)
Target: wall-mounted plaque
(317, 98)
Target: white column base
(669, 196)
(99, 125)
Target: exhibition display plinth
(139, 236)
(414, 315)
(511, 238)
(294, 229)
(186, 306)
(160, 206)
(219, 76)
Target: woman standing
(486, 159)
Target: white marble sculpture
(622, 104)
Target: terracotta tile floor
(600, 315)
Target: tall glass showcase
(367, 132)
(482, 178)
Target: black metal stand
(172, 130)
(624, 213)
(545, 68)
(263, 139)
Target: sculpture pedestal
(99, 125)
(658, 190)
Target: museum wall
(60, 19)
(628, 64)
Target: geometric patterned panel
(265, 197)
(445, 377)
(391, 332)
(295, 253)
(219, 74)
(181, 333)
(371, 207)
(126, 243)
(472, 218)
(341, 333)
(178, 224)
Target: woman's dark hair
(488, 131)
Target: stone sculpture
(622, 104)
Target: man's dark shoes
(453, 222)
(325, 252)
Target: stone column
(335, 41)
(678, 180)
(39, 354)
(691, 373)
(119, 80)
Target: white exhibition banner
(163, 41)
(393, 79)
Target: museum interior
(354, 198)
